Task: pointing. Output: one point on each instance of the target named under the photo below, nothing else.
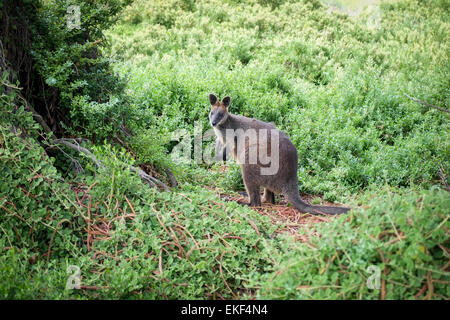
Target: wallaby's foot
(249, 201)
(247, 204)
(268, 197)
(255, 199)
(254, 196)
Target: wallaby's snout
(214, 118)
(219, 111)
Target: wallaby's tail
(302, 206)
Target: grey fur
(284, 181)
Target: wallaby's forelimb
(221, 151)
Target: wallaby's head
(219, 110)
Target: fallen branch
(148, 178)
(141, 173)
(79, 148)
(427, 104)
(443, 178)
(73, 143)
(172, 179)
(36, 116)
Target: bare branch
(79, 148)
(173, 180)
(148, 178)
(427, 104)
(37, 117)
(153, 182)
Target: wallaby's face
(219, 110)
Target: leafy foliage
(128, 239)
(332, 82)
(68, 59)
(400, 233)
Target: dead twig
(88, 241)
(36, 116)
(79, 148)
(173, 181)
(427, 104)
(443, 178)
(385, 272)
(430, 286)
(223, 278)
(141, 173)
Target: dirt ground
(292, 220)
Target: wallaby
(284, 180)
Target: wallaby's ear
(212, 99)
(226, 101)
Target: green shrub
(77, 77)
(401, 233)
(332, 83)
(336, 88)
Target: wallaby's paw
(255, 205)
(243, 202)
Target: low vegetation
(117, 88)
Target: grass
(333, 82)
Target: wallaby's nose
(214, 122)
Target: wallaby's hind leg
(268, 196)
(252, 188)
(253, 194)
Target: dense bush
(125, 237)
(75, 74)
(335, 86)
(400, 233)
